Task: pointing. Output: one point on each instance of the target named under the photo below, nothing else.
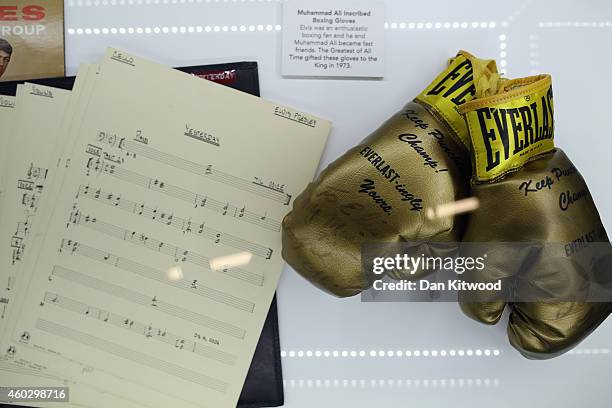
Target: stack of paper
(140, 226)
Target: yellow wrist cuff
(512, 127)
(465, 78)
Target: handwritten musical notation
(10, 280)
(148, 301)
(99, 166)
(4, 301)
(158, 256)
(179, 254)
(147, 330)
(18, 248)
(138, 148)
(186, 225)
(71, 247)
(32, 187)
(131, 355)
(37, 173)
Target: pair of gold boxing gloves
(469, 133)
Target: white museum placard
(337, 38)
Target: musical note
(148, 332)
(18, 245)
(97, 166)
(84, 189)
(30, 200)
(37, 173)
(74, 217)
(186, 226)
(69, 244)
(9, 283)
(23, 227)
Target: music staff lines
(10, 367)
(193, 286)
(179, 254)
(186, 225)
(148, 301)
(132, 355)
(207, 171)
(197, 200)
(147, 330)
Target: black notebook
(264, 383)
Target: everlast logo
(509, 132)
(457, 84)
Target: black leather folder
(264, 383)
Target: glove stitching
(540, 84)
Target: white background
(570, 40)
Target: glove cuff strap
(512, 127)
(457, 84)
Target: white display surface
(341, 352)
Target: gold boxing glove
(529, 191)
(377, 191)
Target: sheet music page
(41, 111)
(31, 168)
(173, 179)
(8, 119)
(53, 110)
(29, 372)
